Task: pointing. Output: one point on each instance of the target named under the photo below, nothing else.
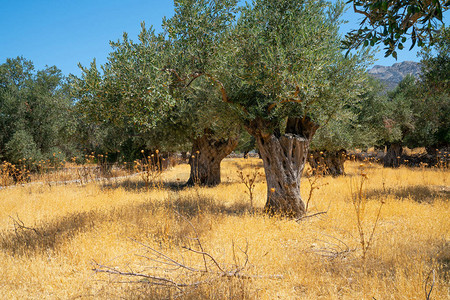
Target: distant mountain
(392, 75)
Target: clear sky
(64, 33)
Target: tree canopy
(35, 112)
(285, 61)
(286, 76)
(162, 88)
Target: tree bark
(284, 158)
(393, 155)
(184, 156)
(432, 150)
(328, 162)
(206, 156)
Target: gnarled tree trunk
(207, 153)
(328, 162)
(393, 155)
(284, 158)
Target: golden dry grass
(50, 237)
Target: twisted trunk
(328, 162)
(206, 156)
(284, 158)
(393, 155)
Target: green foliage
(160, 88)
(341, 132)
(391, 22)
(130, 89)
(286, 62)
(129, 102)
(21, 146)
(417, 112)
(435, 63)
(387, 118)
(247, 143)
(35, 111)
(358, 125)
(432, 96)
(197, 34)
(398, 118)
(432, 122)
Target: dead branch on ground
(177, 274)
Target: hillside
(392, 75)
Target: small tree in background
(358, 125)
(431, 108)
(246, 144)
(398, 120)
(331, 142)
(35, 112)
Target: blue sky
(64, 33)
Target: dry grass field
(117, 239)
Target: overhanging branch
(196, 75)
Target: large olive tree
(286, 77)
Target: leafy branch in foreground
(391, 22)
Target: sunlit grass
(66, 228)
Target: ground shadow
(44, 236)
(25, 239)
(139, 185)
(247, 164)
(419, 193)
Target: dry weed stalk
(85, 174)
(14, 174)
(249, 180)
(359, 201)
(104, 168)
(332, 248)
(195, 164)
(314, 176)
(19, 227)
(150, 169)
(176, 274)
(429, 285)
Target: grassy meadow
(373, 234)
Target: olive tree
(162, 86)
(35, 112)
(196, 33)
(287, 76)
(332, 140)
(431, 107)
(398, 119)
